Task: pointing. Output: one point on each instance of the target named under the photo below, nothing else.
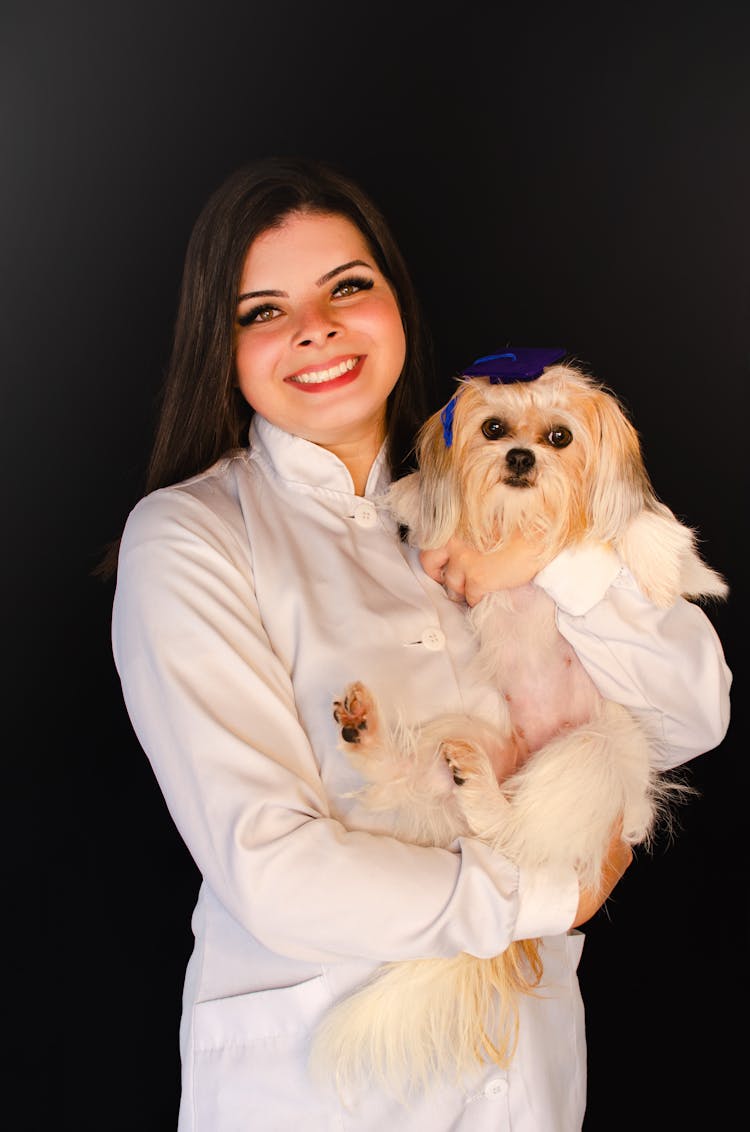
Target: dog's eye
(560, 436)
(493, 428)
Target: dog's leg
(479, 762)
(478, 795)
(383, 755)
(562, 805)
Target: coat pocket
(250, 1061)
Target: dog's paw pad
(456, 772)
(351, 712)
(351, 734)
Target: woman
(257, 579)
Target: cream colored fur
(546, 788)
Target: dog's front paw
(355, 713)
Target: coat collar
(298, 461)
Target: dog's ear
(658, 549)
(661, 553)
(619, 487)
(402, 499)
(435, 508)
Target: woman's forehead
(310, 240)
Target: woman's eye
(493, 428)
(559, 436)
(346, 287)
(266, 313)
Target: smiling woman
(261, 574)
(318, 348)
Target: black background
(555, 174)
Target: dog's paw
(355, 714)
(477, 794)
(465, 761)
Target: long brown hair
(202, 414)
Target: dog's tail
(424, 1019)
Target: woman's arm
(665, 665)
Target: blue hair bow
(447, 418)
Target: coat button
(433, 639)
(365, 515)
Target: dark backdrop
(554, 174)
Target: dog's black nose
(520, 460)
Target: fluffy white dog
(556, 458)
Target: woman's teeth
(322, 375)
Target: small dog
(553, 456)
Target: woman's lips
(330, 377)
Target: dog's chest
(544, 683)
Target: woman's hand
(618, 858)
(468, 574)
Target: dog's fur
(563, 466)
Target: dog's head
(555, 457)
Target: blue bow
(447, 418)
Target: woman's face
(319, 340)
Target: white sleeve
(214, 710)
(665, 665)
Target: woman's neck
(359, 452)
(358, 458)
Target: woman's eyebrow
(256, 294)
(318, 282)
(344, 267)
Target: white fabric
(652, 661)
(247, 599)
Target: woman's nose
(314, 328)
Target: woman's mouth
(313, 380)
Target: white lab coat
(247, 598)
